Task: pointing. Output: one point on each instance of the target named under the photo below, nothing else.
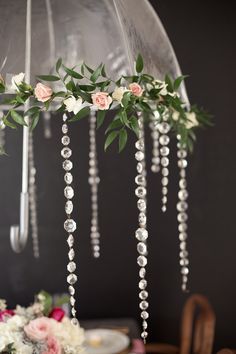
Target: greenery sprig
(77, 90)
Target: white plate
(108, 341)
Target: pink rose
(38, 329)
(6, 313)
(53, 346)
(57, 314)
(101, 100)
(136, 89)
(42, 92)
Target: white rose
(73, 105)
(192, 120)
(175, 115)
(17, 80)
(68, 334)
(119, 93)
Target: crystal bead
(72, 279)
(182, 217)
(164, 151)
(183, 245)
(182, 206)
(183, 254)
(155, 152)
(181, 154)
(72, 301)
(75, 322)
(164, 190)
(184, 262)
(163, 208)
(165, 172)
(164, 127)
(156, 160)
(65, 140)
(164, 140)
(164, 200)
(142, 219)
(64, 128)
(142, 272)
(164, 161)
(142, 261)
(73, 311)
(70, 240)
(69, 207)
(68, 178)
(144, 325)
(64, 117)
(182, 183)
(139, 155)
(182, 173)
(155, 168)
(144, 315)
(155, 134)
(183, 236)
(184, 278)
(143, 305)
(71, 267)
(142, 248)
(182, 227)
(165, 181)
(71, 254)
(184, 270)
(140, 192)
(139, 167)
(67, 165)
(144, 334)
(71, 290)
(140, 180)
(184, 287)
(141, 234)
(69, 192)
(142, 284)
(141, 204)
(143, 295)
(139, 144)
(182, 163)
(183, 194)
(66, 152)
(70, 225)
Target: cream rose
(42, 92)
(38, 329)
(72, 104)
(101, 100)
(136, 89)
(17, 80)
(119, 93)
(192, 120)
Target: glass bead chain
(153, 125)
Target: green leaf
(87, 88)
(58, 64)
(115, 124)
(100, 118)
(8, 123)
(124, 118)
(103, 72)
(134, 125)
(48, 77)
(30, 112)
(123, 136)
(84, 112)
(96, 73)
(126, 98)
(34, 120)
(86, 96)
(178, 82)
(110, 138)
(2, 87)
(17, 118)
(169, 83)
(46, 300)
(20, 100)
(139, 64)
(64, 299)
(72, 73)
(71, 86)
(88, 68)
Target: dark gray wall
(203, 35)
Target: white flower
(175, 115)
(17, 80)
(119, 93)
(3, 303)
(72, 104)
(192, 120)
(68, 334)
(162, 86)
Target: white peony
(17, 80)
(68, 334)
(191, 120)
(119, 93)
(72, 104)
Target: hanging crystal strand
(182, 207)
(94, 181)
(164, 140)
(33, 198)
(47, 124)
(142, 233)
(153, 125)
(69, 224)
(2, 131)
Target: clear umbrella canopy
(108, 31)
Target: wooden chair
(227, 351)
(197, 329)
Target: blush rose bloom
(101, 100)
(42, 92)
(53, 346)
(39, 329)
(136, 89)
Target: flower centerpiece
(39, 329)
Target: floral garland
(84, 89)
(39, 328)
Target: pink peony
(57, 314)
(6, 313)
(53, 346)
(42, 92)
(101, 100)
(136, 89)
(38, 329)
